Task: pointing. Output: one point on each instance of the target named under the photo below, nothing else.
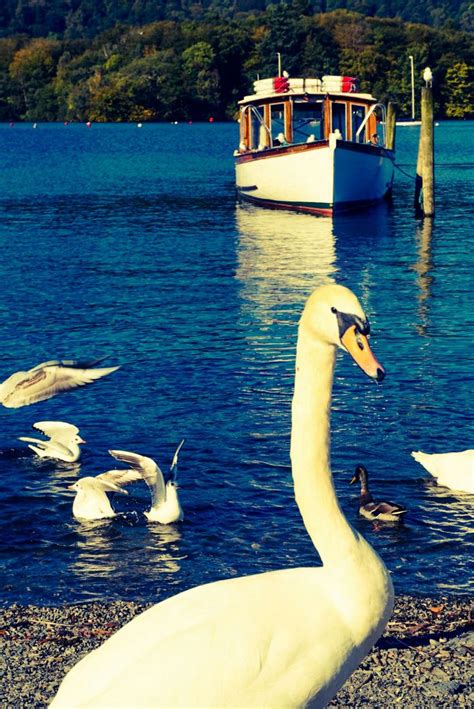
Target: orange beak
(359, 349)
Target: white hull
(324, 177)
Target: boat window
(358, 115)
(277, 122)
(339, 118)
(257, 128)
(307, 121)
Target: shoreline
(422, 660)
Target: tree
(459, 91)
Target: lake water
(128, 242)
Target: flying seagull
(48, 379)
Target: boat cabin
(295, 111)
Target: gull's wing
(149, 471)
(174, 462)
(44, 381)
(51, 447)
(56, 429)
(113, 480)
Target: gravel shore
(424, 659)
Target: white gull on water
(165, 505)
(91, 501)
(48, 379)
(63, 444)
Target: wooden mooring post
(390, 122)
(424, 183)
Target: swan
(91, 501)
(375, 510)
(454, 470)
(63, 444)
(165, 505)
(47, 379)
(286, 638)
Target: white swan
(284, 638)
(454, 470)
(47, 379)
(91, 501)
(63, 444)
(165, 506)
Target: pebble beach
(424, 658)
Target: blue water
(128, 242)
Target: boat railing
(367, 116)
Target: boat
(312, 145)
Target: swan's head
(333, 315)
(78, 440)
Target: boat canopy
(285, 111)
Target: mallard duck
(368, 507)
(287, 638)
(454, 470)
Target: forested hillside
(86, 18)
(194, 69)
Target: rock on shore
(424, 659)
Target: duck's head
(361, 475)
(334, 315)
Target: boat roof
(285, 88)
(296, 93)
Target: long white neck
(310, 452)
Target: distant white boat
(407, 122)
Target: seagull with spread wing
(48, 379)
(91, 501)
(165, 506)
(62, 444)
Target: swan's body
(372, 509)
(63, 443)
(91, 501)
(165, 506)
(453, 470)
(48, 379)
(286, 638)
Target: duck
(48, 379)
(63, 444)
(379, 510)
(165, 505)
(454, 470)
(287, 637)
(91, 501)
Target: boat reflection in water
(282, 256)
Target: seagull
(428, 76)
(63, 444)
(91, 501)
(47, 379)
(165, 506)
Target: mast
(412, 88)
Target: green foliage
(192, 69)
